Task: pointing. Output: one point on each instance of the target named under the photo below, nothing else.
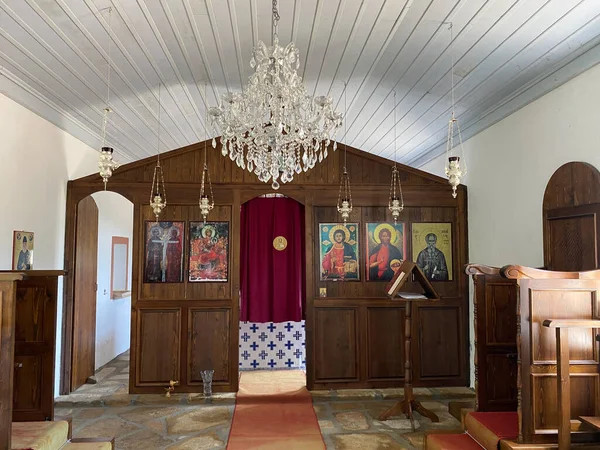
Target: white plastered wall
(511, 162)
(37, 159)
(113, 316)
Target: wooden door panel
(385, 342)
(83, 358)
(35, 341)
(496, 343)
(439, 336)
(158, 337)
(336, 344)
(27, 392)
(208, 345)
(573, 243)
(501, 381)
(29, 324)
(500, 314)
(546, 304)
(584, 391)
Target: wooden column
(7, 353)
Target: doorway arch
(272, 283)
(98, 285)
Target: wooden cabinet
(363, 346)
(495, 339)
(8, 287)
(35, 342)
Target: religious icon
(164, 252)
(386, 244)
(280, 243)
(209, 251)
(339, 251)
(432, 244)
(22, 250)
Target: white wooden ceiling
(53, 58)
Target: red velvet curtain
(272, 281)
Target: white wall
(510, 163)
(37, 159)
(113, 317)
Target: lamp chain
(108, 61)
(395, 137)
(109, 46)
(158, 132)
(345, 124)
(452, 66)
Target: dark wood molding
(516, 272)
(481, 269)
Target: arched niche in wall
(570, 214)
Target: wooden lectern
(409, 271)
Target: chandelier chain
(276, 17)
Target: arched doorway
(570, 213)
(101, 314)
(272, 284)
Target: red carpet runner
(273, 411)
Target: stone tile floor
(348, 418)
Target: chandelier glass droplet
(274, 128)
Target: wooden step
(89, 444)
(39, 435)
(509, 444)
(460, 408)
(592, 421)
(489, 428)
(451, 442)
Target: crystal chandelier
(453, 170)
(207, 200)
(396, 201)
(274, 128)
(344, 203)
(106, 164)
(158, 194)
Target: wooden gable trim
(151, 161)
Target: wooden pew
(562, 296)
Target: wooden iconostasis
(354, 333)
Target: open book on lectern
(409, 271)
